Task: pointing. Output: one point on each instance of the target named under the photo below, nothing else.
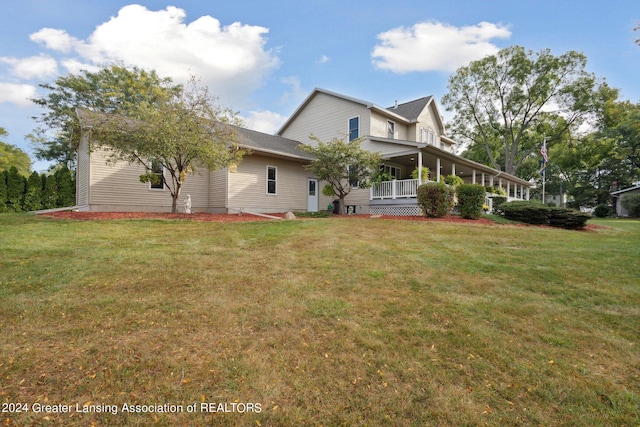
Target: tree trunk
(176, 196)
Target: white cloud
(264, 121)
(32, 67)
(324, 59)
(231, 60)
(54, 39)
(434, 46)
(19, 94)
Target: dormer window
(428, 136)
(391, 129)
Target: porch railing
(397, 189)
(407, 188)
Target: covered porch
(402, 191)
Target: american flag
(545, 157)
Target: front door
(312, 195)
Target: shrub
(567, 218)
(527, 212)
(497, 201)
(601, 211)
(470, 200)
(435, 199)
(631, 202)
(536, 213)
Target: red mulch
(201, 216)
(198, 216)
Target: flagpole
(545, 157)
(544, 180)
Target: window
(352, 172)
(272, 175)
(354, 128)
(391, 129)
(428, 136)
(157, 175)
(393, 171)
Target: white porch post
(508, 189)
(438, 169)
(527, 193)
(453, 169)
(490, 180)
(420, 167)
(473, 176)
(483, 179)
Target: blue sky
(264, 57)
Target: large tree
(182, 131)
(505, 104)
(343, 165)
(114, 89)
(10, 155)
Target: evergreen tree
(3, 191)
(66, 187)
(49, 192)
(33, 195)
(16, 184)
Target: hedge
(535, 213)
(435, 199)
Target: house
(408, 135)
(272, 178)
(618, 196)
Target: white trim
(267, 180)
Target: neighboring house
(407, 135)
(272, 178)
(619, 195)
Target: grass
(342, 321)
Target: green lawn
(337, 321)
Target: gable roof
(246, 138)
(412, 109)
(637, 187)
(271, 144)
(407, 112)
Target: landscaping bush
(435, 199)
(538, 214)
(497, 201)
(527, 212)
(601, 211)
(631, 202)
(470, 200)
(567, 218)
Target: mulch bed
(246, 217)
(198, 216)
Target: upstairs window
(428, 136)
(157, 172)
(354, 128)
(391, 129)
(272, 177)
